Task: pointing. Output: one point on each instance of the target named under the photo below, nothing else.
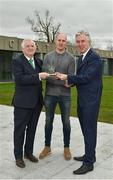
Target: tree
(45, 27)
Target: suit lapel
(87, 56)
(27, 64)
(85, 59)
(38, 64)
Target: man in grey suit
(57, 91)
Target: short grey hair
(85, 33)
(26, 40)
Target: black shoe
(84, 169)
(20, 163)
(31, 157)
(79, 158)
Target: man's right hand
(43, 75)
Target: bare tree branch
(45, 27)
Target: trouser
(50, 106)
(25, 123)
(88, 120)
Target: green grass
(6, 93)
(106, 109)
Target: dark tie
(80, 60)
(31, 62)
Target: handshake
(57, 75)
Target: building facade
(11, 46)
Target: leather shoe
(31, 157)
(45, 152)
(67, 153)
(84, 169)
(79, 158)
(20, 163)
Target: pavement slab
(54, 166)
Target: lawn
(106, 109)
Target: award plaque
(51, 70)
(52, 74)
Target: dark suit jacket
(88, 80)
(28, 89)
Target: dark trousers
(88, 120)
(64, 103)
(25, 123)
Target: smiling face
(82, 42)
(28, 48)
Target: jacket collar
(85, 58)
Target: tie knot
(31, 60)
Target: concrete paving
(54, 166)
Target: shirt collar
(84, 54)
(28, 58)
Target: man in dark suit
(88, 81)
(27, 101)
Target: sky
(93, 16)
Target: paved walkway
(54, 166)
